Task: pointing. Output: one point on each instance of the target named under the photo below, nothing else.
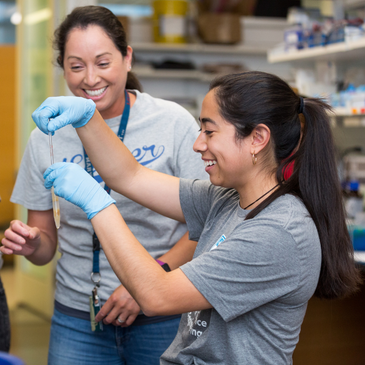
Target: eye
(208, 133)
(76, 68)
(104, 64)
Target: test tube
(55, 201)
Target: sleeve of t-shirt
(196, 199)
(254, 266)
(29, 189)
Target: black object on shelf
(277, 8)
(173, 65)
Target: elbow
(155, 307)
(150, 312)
(39, 261)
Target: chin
(216, 182)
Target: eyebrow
(99, 55)
(207, 120)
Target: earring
(254, 159)
(129, 68)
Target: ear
(260, 137)
(128, 57)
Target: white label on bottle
(171, 25)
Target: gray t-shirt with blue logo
(258, 275)
(160, 135)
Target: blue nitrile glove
(73, 183)
(65, 110)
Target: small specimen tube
(55, 201)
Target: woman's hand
(120, 305)
(74, 184)
(20, 239)
(64, 110)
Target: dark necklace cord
(262, 196)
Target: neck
(253, 195)
(117, 109)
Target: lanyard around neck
(95, 275)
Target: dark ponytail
(82, 17)
(252, 98)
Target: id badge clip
(94, 310)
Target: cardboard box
(138, 29)
(221, 28)
(262, 31)
(242, 7)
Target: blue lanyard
(89, 169)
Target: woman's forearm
(109, 156)
(157, 292)
(129, 259)
(123, 174)
(47, 240)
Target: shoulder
(206, 187)
(283, 209)
(286, 217)
(204, 191)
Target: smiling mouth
(209, 163)
(97, 92)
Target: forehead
(209, 105)
(92, 37)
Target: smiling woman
(95, 69)
(96, 59)
(221, 152)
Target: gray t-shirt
(160, 135)
(258, 275)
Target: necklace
(261, 196)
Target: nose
(200, 144)
(91, 77)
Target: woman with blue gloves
(265, 245)
(96, 60)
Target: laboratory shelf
(346, 112)
(173, 74)
(199, 48)
(353, 4)
(342, 51)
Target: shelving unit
(150, 73)
(343, 51)
(353, 4)
(347, 112)
(343, 54)
(199, 48)
(194, 84)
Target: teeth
(209, 163)
(95, 92)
